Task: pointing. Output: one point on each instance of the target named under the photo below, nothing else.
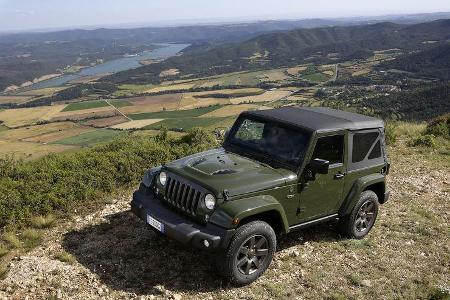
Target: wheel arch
(265, 208)
(374, 182)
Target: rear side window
(330, 148)
(365, 149)
(362, 143)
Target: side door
(321, 196)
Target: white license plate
(155, 223)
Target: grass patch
(120, 103)
(3, 272)
(65, 257)
(427, 140)
(41, 222)
(354, 280)
(12, 240)
(3, 250)
(189, 113)
(31, 238)
(184, 123)
(91, 138)
(85, 105)
(3, 127)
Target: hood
(219, 170)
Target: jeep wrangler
(278, 170)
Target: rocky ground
(110, 254)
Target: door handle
(339, 175)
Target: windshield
(273, 140)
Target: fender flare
(247, 207)
(358, 187)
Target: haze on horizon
(23, 15)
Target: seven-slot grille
(182, 195)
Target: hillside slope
(111, 254)
(294, 47)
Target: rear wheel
(363, 216)
(249, 254)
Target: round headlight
(210, 201)
(163, 178)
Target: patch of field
(211, 83)
(152, 103)
(266, 97)
(3, 128)
(230, 110)
(175, 114)
(169, 72)
(316, 77)
(131, 89)
(27, 116)
(120, 103)
(328, 73)
(361, 72)
(85, 105)
(42, 92)
(274, 75)
(189, 101)
(95, 113)
(14, 99)
(229, 93)
(295, 70)
(106, 122)
(45, 133)
(27, 150)
(185, 123)
(136, 124)
(175, 87)
(90, 138)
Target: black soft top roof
(318, 118)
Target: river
(114, 66)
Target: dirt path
(117, 257)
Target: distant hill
(433, 62)
(420, 104)
(297, 46)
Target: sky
(47, 14)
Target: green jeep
(279, 170)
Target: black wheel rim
(252, 254)
(365, 217)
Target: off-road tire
(228, 263)
(352, 226)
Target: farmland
(178, 103)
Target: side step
(314, 222)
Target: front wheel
(362, 218)
(249, 254)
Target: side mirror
(319, 166)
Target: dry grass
(27, 116)
(266, 97)
(169, 72)
(12, 240)
(41, 222)
(106, 122)
(14, 99)
(230, 110)
(31, 238)
(295, 70)
(274, 75)
(65, 257)
(29, 150)
(46, 133)
(90, 111)
(184, 86)
(42, 92)
(152, 103)
(137, 124)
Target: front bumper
(179, 227)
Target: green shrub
(3, 250)
(62, 182)
(440, 126)
(427, 140)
